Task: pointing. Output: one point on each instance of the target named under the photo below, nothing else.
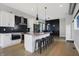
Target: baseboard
(76, 47)
(62, 36)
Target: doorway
(53, 26)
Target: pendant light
(45, 12)
(45, 18)
(37, 15)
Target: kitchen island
(30, 38)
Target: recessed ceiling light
(48, 17)
(32, 9)
(60, 5)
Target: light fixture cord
(37, 9)
(45, 17)
(45, 12)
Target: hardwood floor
(58, 48)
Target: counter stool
(44, 42)
(39, 42)
(48, 40)
(51, 39)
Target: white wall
(68, 32)
(69, 19)
(62, 27)
(75, 33)
(30, 23)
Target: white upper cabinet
(11, 20)
(6, 19)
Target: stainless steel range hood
(22, 21)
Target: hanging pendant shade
(37, 17)
(37, 14)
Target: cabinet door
(25, 20)
(4, 18)
(17, 20)
(7, 19)
(5, 40)
(11, 21)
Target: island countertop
(36, 34)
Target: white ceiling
(54, 10)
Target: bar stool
(47, 41)
(51, 39)
(52, 35)
(39, 42)
(44, 42)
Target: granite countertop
(28, 33)
(11, 33)
(37, 34)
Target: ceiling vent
(72, 8)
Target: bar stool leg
(39, 47)
(35, 46)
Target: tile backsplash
(5, 29)
(12, 29)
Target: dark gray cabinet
(25, 21)
(17, 20)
